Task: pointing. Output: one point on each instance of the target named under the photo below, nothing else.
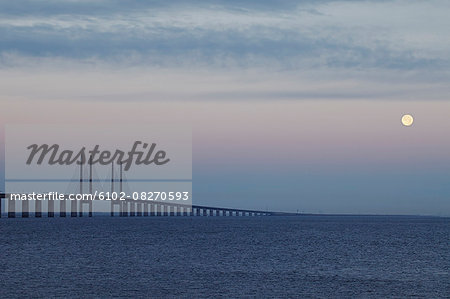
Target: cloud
(105, 7)
(288, 36)
(225, 50)
(64, 80)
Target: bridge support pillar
(166, 212)
(132, 208)
(90, 208)
(11, 208)
(38, 208)
(125, 208)
(51, 208)
(25, 208)
(80, 208)
(73, 208)
(62, 208)
(112, 208)
(145, 209)
(139, 209)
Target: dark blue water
(309, 256)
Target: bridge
(126, 207)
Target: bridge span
(124, 208)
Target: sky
(294, 105)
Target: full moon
(407, 120)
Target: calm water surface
(196, 257)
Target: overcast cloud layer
(287, 34)
(225, 50)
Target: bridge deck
(130, 207)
